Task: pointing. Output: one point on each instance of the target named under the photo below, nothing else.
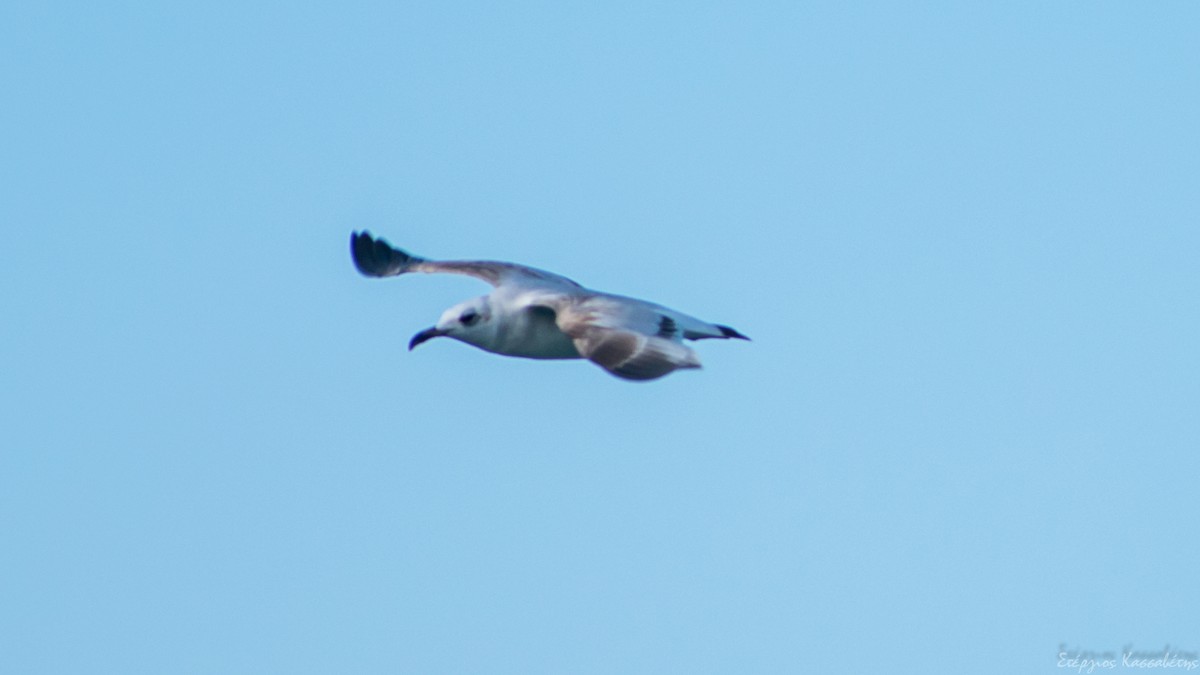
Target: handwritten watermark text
(1089, 661)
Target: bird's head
(469, 321)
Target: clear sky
(963, 236)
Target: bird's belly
(533, 341)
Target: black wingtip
(731, 333)
(375, 257)
(362, 247)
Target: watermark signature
(1089, 661)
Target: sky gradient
(963, 238)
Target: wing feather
(619, 344)
(374, 257)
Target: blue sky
(962, 236)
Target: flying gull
(539, 315)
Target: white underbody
(527, 328)
(532, 334)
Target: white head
(469, 321)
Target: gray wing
(374, 257)
(623, 339)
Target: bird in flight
(539, 315)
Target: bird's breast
(533, 335)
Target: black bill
(427, 334)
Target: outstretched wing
(632, 356)
(374, 257)
(625, 340)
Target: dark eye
(468, 317)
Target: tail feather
(730, 333)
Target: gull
(536, 314)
